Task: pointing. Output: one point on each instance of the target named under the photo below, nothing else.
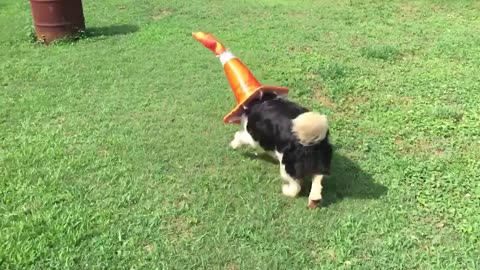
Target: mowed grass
(113, 154)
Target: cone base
(234, 116)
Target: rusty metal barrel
(55, 19)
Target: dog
(295, 136)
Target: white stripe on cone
(226, 56)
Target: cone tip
(198, 34)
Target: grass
(113, 154)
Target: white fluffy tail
(310, 127)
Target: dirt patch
(103, 152)
(180, 228)
(302, 49)
(149, 248)
(353, 101)
(437, 8)
(418, 147)
(398, 140)
(326, 101)
(160, 14)
(331, 255)
(408, 8)
(232, 266)
(349, 107)
(422, 145)
(321, 96)
(182, 201)
(352, 154)
(402, 102)
(357, 42)
(408, 11)
(329, 35)
(439, 153)
(297, 14)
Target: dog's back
(299, 135)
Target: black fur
(270, 124)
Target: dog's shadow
(347, 179)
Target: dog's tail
(310, 127)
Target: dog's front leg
(241, 138)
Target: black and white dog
(292, 134)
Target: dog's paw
(291, 190)
(312, 204)
(234, 144)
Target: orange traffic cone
(244, 85)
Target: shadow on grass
(262, 156)
(106, 31)
(346, 180)
(112, 30)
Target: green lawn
(113, 154)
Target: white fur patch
(316, 189)
(291, 189)
(242, 137)
(279, 156)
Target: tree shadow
(347, 179)
(112, 30)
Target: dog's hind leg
(292, 187)
(316, 191)
(273, 155)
